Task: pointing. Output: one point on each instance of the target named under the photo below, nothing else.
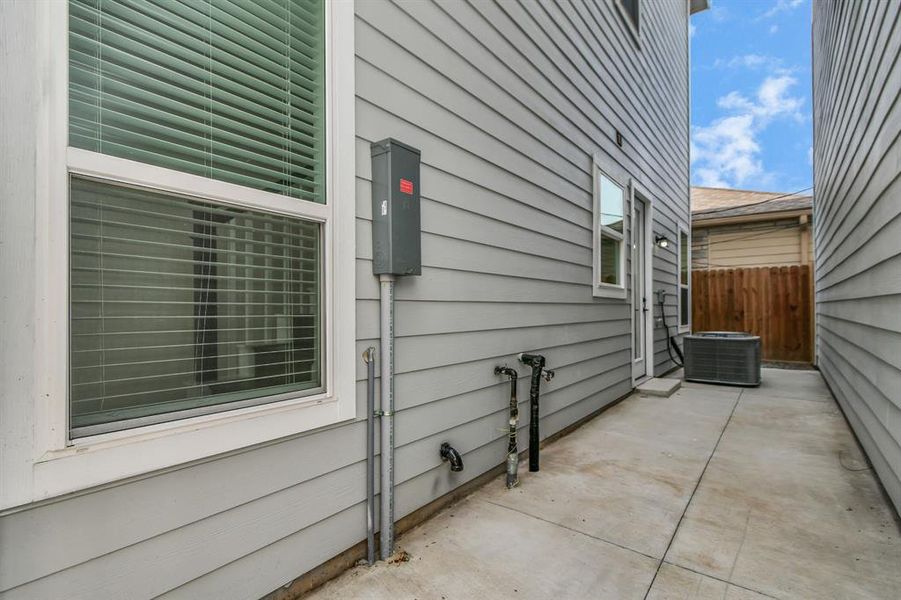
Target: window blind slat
(129, 378)
(192, 92)
(130, 274)
(231, 91)
(186, 144)
(299, 238)
(171, 29)
(179, 304)
(158, 92)
(120, 401)
(239, 72)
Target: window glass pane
(611, 204)
(631, 7)
(234, 91)
(683, 257)
(610, 259)
(180, 304)
(683, 305)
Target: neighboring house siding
(857, 121)
(759, 244)
(699, 248)
(508, 103)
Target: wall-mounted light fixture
(661, 241)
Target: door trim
(636, 190)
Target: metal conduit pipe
(512, 452)
(386, 285)
(369, 358)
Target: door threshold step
(659, 386)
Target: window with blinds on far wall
(181, 305)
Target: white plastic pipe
(386, 284)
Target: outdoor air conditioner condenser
(722, 357)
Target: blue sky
(750, 95)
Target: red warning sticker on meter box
(406, 186)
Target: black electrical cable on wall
(670, 344)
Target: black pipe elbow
(449, 454)
(511, 373)
(532, 360)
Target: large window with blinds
(181, 303)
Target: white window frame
(683, 327)
(62, 465)
(600, 289)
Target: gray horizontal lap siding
(508, 103)
(857, 224)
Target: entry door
(640, 299)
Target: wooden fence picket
(772, 302)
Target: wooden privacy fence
(772, 302)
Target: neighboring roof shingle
(718, 203)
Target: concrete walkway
(715, 492)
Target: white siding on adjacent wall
(857, 153)
(508, 103)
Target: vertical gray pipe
(369, 357)
(386, 283)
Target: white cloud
(717, 12)
(773, 29)
(810, 155)
(781, 6)
(748, 61)
(726, 153)
(691, 30)
(772, 100)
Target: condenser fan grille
(723, 357)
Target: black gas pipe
(512, 452)
(536, 362)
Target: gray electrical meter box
(396, 239)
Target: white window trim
(599, 289)
(679, 285)
(61, 465)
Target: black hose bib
(536, 361)
(512, 452)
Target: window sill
(684, 329)
(605, 290)
(110, 457)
